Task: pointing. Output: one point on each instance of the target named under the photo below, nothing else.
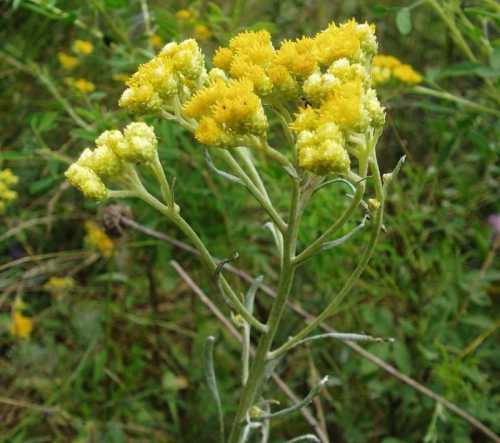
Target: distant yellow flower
(96, 238)
(82, 47)
(20, 326)
(155, 41)
(7, 195)
(68, 62)
(59, 286)
(386, 67)
(184, 15)
(84, 86)
(406, 74)
(121, 77)
(201, 32)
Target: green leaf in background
(403, 21)
(42, 184)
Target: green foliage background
(119, 357)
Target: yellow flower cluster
(82, 47)
(228, 113)
(79, 47)
(137, 144)
(7, 180)
(80, 84)
(251, 55)
(174, 74)
(20, 325)
(97, 239)
(67, 61)
(386, 67)
(341, 101)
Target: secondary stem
(205, 255)
(365, 258)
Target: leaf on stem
(210, 164)
(212, 382)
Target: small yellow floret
(322, 151)
(87, 181)
(406, 74)
(82, 47)
(96, 238)
(155, 41)
(83, 86)
(68, 62)
(7, 195)
(201, 32)
(222, 58)
(59, 286)
(142, 143)
(183, 14)
(20, 325)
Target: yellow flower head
(59, 286)
(178, 70)
(20, 325)
(87, 181)
(222, 58)
(201, 33)
(386, 67)
(121, 77)
(97, 239)
(226, 111)
(184, 15)
(84, 86)
(406, 74)
(7, 195)
(299, 57)
(248, 57)
(385, 61)
(322, 151)
(155, 41)
(68, 62)
(82, 47)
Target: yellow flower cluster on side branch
(114, 152)
(388, 67)
(174, 74)
(7, 195)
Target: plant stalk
(257, 371)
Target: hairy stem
(257, 371)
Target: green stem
(162, 180)
(353, 278)
(254, 190)
(455, 32)
(316, 245)
(450, 97)
(205, 255)
(257, 372)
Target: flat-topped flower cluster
(323, 82)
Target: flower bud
(87, 181)
(142, 143)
